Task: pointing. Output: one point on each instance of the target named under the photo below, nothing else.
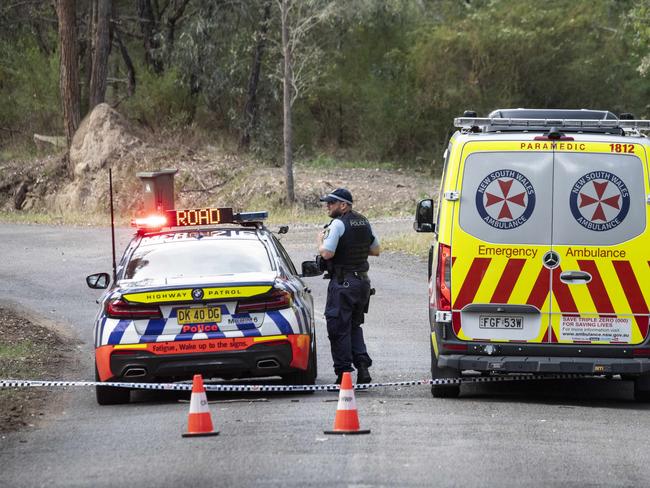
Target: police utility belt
(341, 275)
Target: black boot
(363, 375)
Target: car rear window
(198, 258)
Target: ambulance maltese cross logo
(599, 201)
(505, 199)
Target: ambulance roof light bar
(495, 123)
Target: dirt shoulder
(31, 348)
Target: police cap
(338, 195)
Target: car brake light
(274, 301)
(557, 138)
(119, 309)
(443, 278)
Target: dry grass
(410, 243)
(69, 218)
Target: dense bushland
(377, 80)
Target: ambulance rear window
(599, 199)
(561, 198)
(506, 197)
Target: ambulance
(540, 262)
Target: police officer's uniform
(350, 238)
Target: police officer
(345, 244)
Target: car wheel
(642, 388)
(443, 391)
(111, 395)
(306, 377)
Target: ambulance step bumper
(540, 364)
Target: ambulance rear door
(501, 232)
(600, 238)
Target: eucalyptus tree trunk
(288, 77)
(101, 49)
(69, 68)
(250, 108)
(149, 28)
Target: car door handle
(573, 276)
(307, 290)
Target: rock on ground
(102, 135)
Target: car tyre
(443, 391)
(642, 389)
(111, 395)
(306, 377)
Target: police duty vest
(354, 245)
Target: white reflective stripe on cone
(346, 400)
(199, 403)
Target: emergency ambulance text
(508, 252)
(595, 253)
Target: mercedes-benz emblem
(551, 259)
(197, 293)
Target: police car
(540, 261)
(203, 291)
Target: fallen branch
(56, 141)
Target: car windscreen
(198, 258)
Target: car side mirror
(98, 281)
(310, 268)
(424, 217)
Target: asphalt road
(547, 433)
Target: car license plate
(500, 322)
(198, 315)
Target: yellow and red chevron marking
(614, 290)
(488, 280)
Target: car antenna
(110, 191)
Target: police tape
(285, 388)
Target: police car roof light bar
(152, 222)
(469, 122)
(251, 216)
(199, 217)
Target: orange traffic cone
(346, 420)
(199, 422)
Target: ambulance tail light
(443, 278)
(276, 300)
(119, 309)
